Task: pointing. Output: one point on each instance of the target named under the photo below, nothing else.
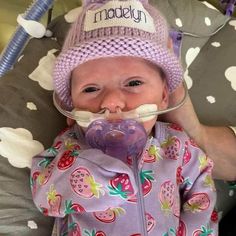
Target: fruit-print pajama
(92, 194)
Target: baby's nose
(113, 100)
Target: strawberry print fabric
(92, 194)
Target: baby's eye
(90, 89)
(133, 83)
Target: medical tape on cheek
(142, 113)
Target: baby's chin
(149, 125)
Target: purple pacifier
(117, 138)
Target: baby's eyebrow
(135, 77)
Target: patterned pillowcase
(212, 88)
(197, 20)
(212, 78)
(29, 121)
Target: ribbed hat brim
(113, 47)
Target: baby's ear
(165, 98)
(170, 44)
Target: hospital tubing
(12, 51)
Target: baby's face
(120, 82)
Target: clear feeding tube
(142, 113)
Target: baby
(114, 60)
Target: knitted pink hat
(110, 28)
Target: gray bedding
(29, 122)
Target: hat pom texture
(115, 28)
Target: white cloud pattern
(207, 21)
(31, 106)
(211, 99)
(230, 75)
(18, 146)
(233, 23)
(32, 225)
(209, 5)
(191, 55)
(188, 79)
(43, 72)
(72, 15)
(178, 22)
(216, 44)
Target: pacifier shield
(117, 138)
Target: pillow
(213, 91)
(195, 19)
(29, 122)
(216, 65)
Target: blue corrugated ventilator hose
(230, 6)
(12, 51)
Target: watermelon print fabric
(92, 194)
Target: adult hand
(219, 143)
